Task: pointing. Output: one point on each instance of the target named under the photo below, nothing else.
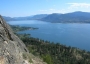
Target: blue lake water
(70, 34)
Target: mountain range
(34, 17)
(74, 17)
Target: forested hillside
(55, 53)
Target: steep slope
(56, 53)
(12, 49)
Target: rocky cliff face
(12, 49)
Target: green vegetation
(47, 58)
(17, 28)
(27, 57)
(30, 60)
(24, 56)
(55, 53)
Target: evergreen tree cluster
(53, 53)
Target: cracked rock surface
(11, 47)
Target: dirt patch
(2, 60)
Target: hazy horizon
(21, 8)
(43, 13)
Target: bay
(70, 34)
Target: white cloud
(51, 10)
(71, 7)
(78, 5)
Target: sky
(20, 8)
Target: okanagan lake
(69, 34)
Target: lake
(70, 34)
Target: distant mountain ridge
(8, 18)
(38, 17)
(74, 17)
(34, 17)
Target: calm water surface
(76, 35)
